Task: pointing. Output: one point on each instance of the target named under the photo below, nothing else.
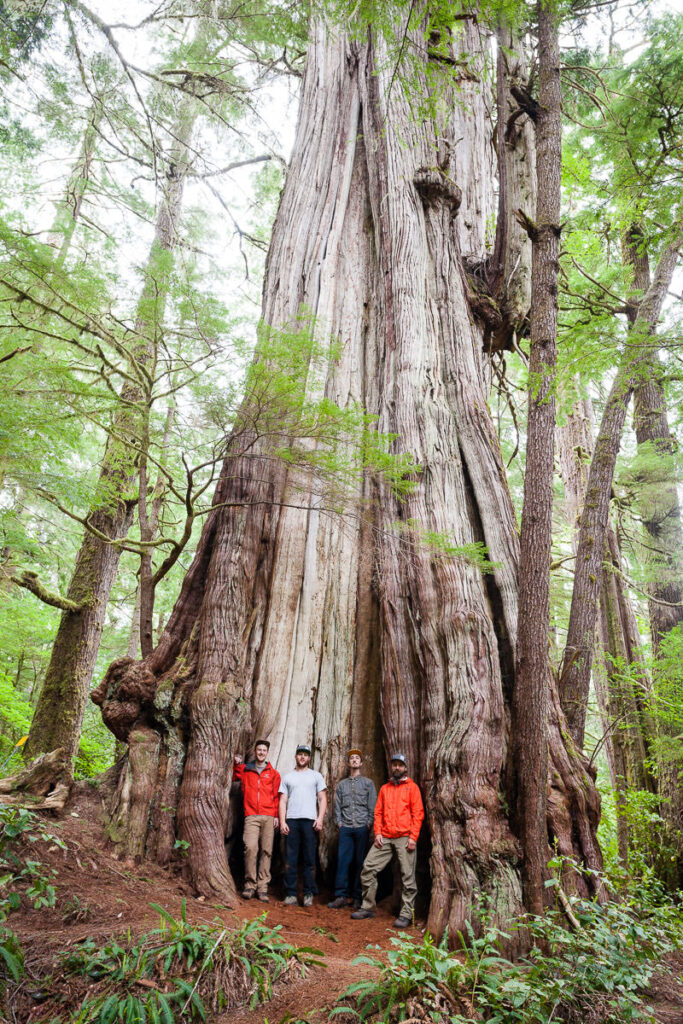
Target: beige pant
(378, 857)
(258, 836)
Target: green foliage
(15, 715)
(651, 848)
(21, 877)
(442, 545)
(20, 831)
(177, 971)
(600, 968)
(668, 682)
(287, 414)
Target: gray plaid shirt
(354, 802)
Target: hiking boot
(340, 901)
(402, 922)
(359, 915)
(263, 897)
(290, 901)
(308, 899)
(248, 894)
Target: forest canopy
(341, 403)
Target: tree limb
(29, 581)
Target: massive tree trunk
(336, 630)
(61, 704)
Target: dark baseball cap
(303, 748)
(399, 757)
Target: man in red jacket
(260, 784)
(399, 814)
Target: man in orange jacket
(399, 814)
(260, 784)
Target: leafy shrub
(20, 875)
(173, 973)
(595, 973)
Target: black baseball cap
(303, 748)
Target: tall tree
(61, 705)
(532, 669)
(622, 681)
(298, 625)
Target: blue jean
(353, 845)
(302, 837)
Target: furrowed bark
(302, 626)
(532, 669)
(509, 272)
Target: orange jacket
(399, 810)
(260, 790)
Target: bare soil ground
(99, 896)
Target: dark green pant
(378, 857)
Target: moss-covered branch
(29, 581)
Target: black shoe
(248, 894)
(340, 901)
(401, 922)
(359, 915)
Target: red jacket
(399, 810)
(260, 789)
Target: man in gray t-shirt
(303, 802)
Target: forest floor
(99, 897)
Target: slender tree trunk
(658, 503)
(148, 514)
(300, 626)
(61, 704)
(69, 209)
(657, 499)
(578, 655)
(622, 683)
(532, 668)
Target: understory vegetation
(592, 969)
(178, 971)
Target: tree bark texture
(510, 266)
(632, 371)
(61, 704)
(658, 500)
(532, 668)
(340, 631)
(622, 682)
(658, 503)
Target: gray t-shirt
(302, 788)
